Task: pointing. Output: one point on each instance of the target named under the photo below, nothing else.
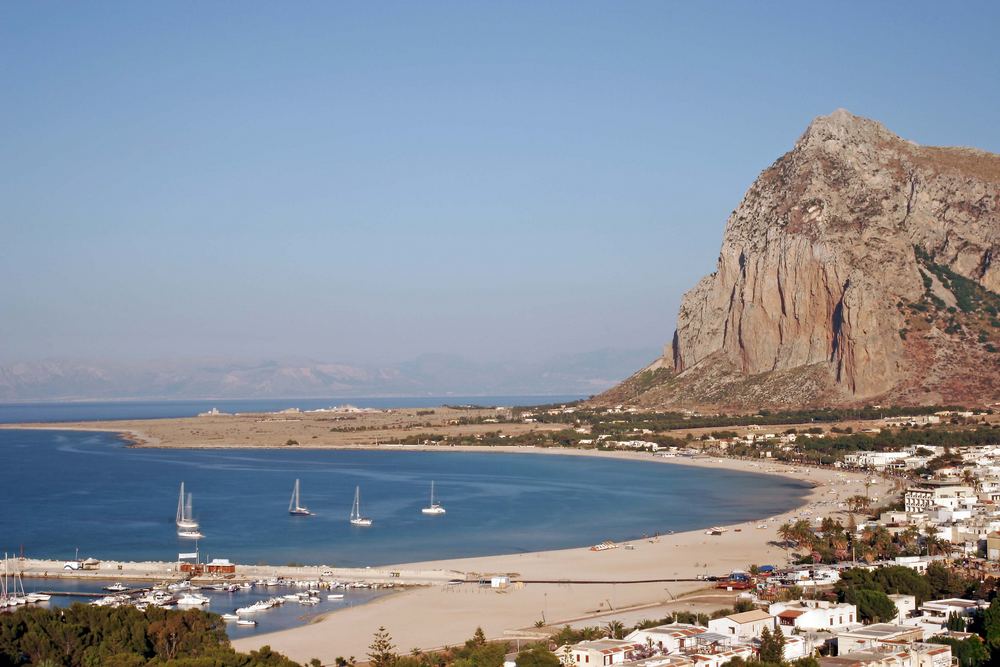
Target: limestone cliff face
(832, 276)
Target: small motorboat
(116, 587)
(246, 621)
(230, 617)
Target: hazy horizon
(367, 184)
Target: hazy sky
(370, 181)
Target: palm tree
(785, 532)
(909, 539)
(931, 541)
(615, 629)
(839, 545)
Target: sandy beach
(441, 615)
(437, 614)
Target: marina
(268, 613)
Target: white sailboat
(294, 505)
(13, 588)
(185, 520)
(435, 507)
(187, 527)
(356, 518)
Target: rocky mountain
(859, 268)
(428, 375)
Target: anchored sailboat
(294, 506)
(356, 518)
(434, 508)
(185, 520)
(187, 527)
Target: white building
(599, 652)
(720, 658)
(872, 636)
(915, 654)
(876, 460)
(668, 638)
(814, 615)
(743, 626)
(906, 606)
(928, 497)
(934, 614)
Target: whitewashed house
(743, 626)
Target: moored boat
(184, 519)
(295, 507)
(434, 508)
(356, 518)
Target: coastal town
(891, 561)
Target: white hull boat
(185, 520)
(295, 507)
(356, 518)
(434, 508)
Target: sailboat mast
(180, 504)
(188, 513)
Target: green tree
(807, 661)
(772, 646)
(742, 605)
(956, 623)
(970, 652)
(382, 652)
(991, 627)
(946, 582)
(537, 656)
(615, 629)
(873, 606)
(478, 638)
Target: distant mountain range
(428, 375)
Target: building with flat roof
(743, 626)
(814, 615)
(670, 638)
(916, 654)
(871, 636)
(598, 652)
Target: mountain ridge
(583, 373)
(838, 282)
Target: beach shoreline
(668, 564)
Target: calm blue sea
(65, 489)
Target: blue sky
(371, 181)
